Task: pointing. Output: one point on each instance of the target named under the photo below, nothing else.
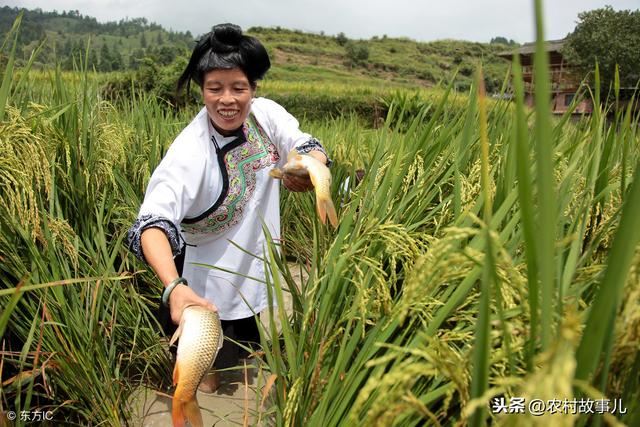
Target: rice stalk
(546, 187)
(608, 295)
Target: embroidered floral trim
(313, 145)
(155, 221)
(242, 163)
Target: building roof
(530, 48)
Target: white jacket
(189, 181)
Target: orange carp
(201, 337)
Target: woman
(207, 199)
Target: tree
(105, 58)
(92, 59)
(502, 40)
(341, 39)
(610, 38)
(135, 59)
(166, 54)
(67, 48)
(357, 53)
(116, 60)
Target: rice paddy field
(488, 259)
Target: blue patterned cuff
(153, 221)
(313, 145)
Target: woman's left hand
(302, 183)
(297, 183)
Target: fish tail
(333, 216)
(192, 411)
(177, 409)
(177, 412)
(326, 208)
(185, 410)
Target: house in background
(565, 79)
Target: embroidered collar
(239, 136)
(239, 163)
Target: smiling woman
(227, 96)
(206, 201)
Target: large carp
(201, 337)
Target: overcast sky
(476, 20)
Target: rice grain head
(25, 171)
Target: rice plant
(489, 251)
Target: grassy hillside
(400, 61)
(296, 56)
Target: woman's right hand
(183, 296)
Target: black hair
(225, 47)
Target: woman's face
(227, 95)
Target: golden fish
(201, 337)
(308, 166)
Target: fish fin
(326, 208)
(176, 334)
(331, 212)
(181, 409)
(322, 210)
(176, 374)
(177, 405)
(177, 413)
(220, 341)
(276, 173)
(193, 413)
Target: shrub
(357, 53)
(341, 39)
(151, 78)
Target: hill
(112, 46)
(399, 61)
(296, 55)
